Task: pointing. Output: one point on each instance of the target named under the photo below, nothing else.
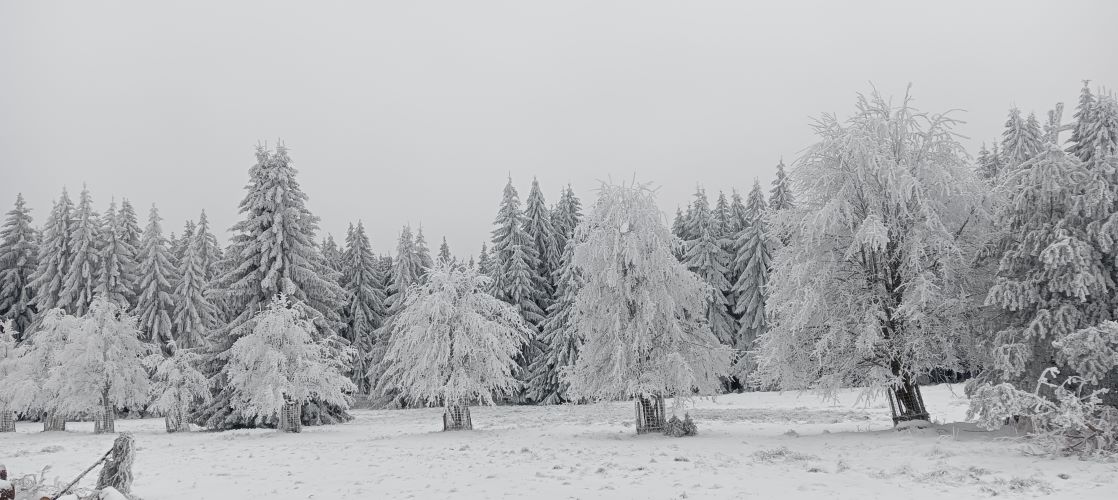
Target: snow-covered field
(755, 445)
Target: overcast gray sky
(415, 112)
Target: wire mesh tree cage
(456, 417)
(105, 420)
(650, 414)
(7, 420)
(291, 417)
(53, 422)
(176, 420)
(907, 403)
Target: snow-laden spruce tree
(154, 302)
(54, 255)
(639, 312)
(178, 245)
(272, 251)
(209, 250)
(722, 218)
(1101, 137)
(988, 164)
(405, 272)
(780, 198)
(80, 282)
(444, 252)
(8, 335)
(278, 366)
(753, 261)
(1018, 142)
(101, 366)
(868, 290)
(1083, 120)
(513, 272)
(130, 230)
(565, 216)
(559, 339)
(116, 278)
(706, 256)
(332, 254)
(541, 235)
(25, 386)
(484, 262)
(19, 254)
(422, 253)
(365, 309)
(193, 315)
(177, 385)
(454, 344)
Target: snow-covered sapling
(279, 366)
(177, 385)
(454, 344)
(640, 312)
(24, 384)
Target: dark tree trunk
(650, 414)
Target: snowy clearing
(754, 445)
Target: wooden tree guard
(456, 417)
(176, 421)
(7, 420)
(53, 422)
(907, 403)
(105, 421)
(650, 414)
(291, 417)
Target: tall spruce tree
(332, 254)
(194, 315)
(364, 312)
(541, 235)
(484, 262)
(54, 256)
(129, 224)
(1102, 133)
(444, 253)
(117, 275)
(19, 254)
(155, 301)
(1019, 142)
(404, 272)
(559, 338)
(209, 251)
(780, 197)
(753, 261)
(422, 254)
(707, 257)
(565, 217)
(85, 260)
(723, 226)
(1084, 119)
(272, 252)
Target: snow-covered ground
(755, 445)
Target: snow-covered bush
(680, 428)
(279, 366)
(454, 344)
(177, 385)
(1062, 416)
(640, 312)
(101, 366)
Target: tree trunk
(7, 419)
(650, 414)
(906, 402)
(456, 417)
(291, 417)
(105, 423)
(53, 422)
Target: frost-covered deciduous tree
(54, 256)
(639, 312)
(706, 256)
(454, 344)
(365, 309)
(193, 315)
(81, 276)
(177, 385)
(154, 303)
(25, 386)
(116, 278)
(101, 366)
(279, 366)
(19, 253)
(272, 251)
(869, 290)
